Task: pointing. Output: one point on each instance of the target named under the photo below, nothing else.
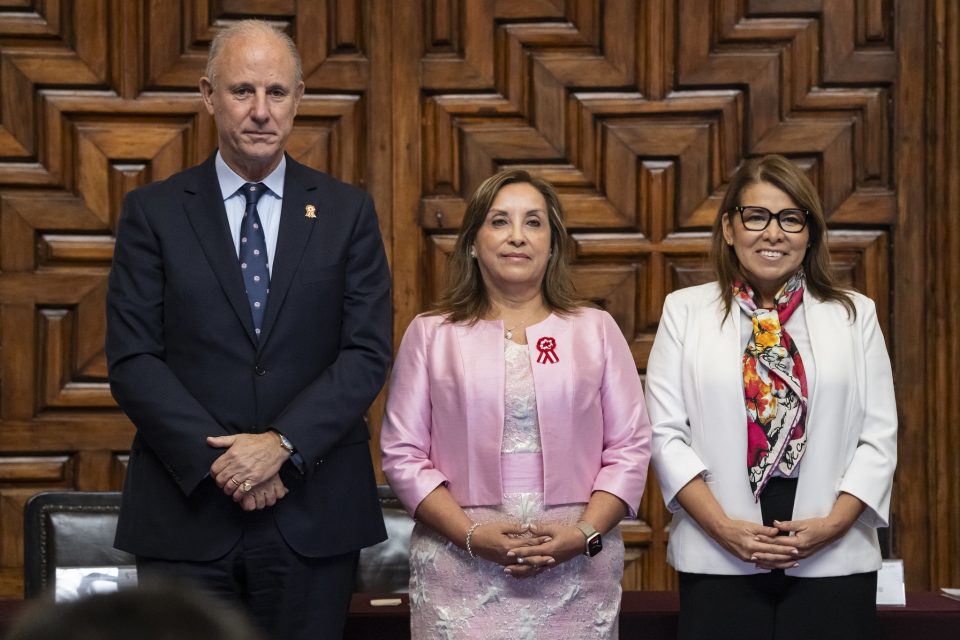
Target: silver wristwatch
(286, 444)
(594, 543)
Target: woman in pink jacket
(516, 434)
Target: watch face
(285, 443)
(594, 545)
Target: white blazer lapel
(718, 390)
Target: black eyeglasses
(758, 218)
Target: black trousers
(775, 606)
(288, 596)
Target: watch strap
(594, 542)
(586, 528)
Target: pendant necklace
(508, 334)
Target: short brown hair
(786, 176)
(464, 298)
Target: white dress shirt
(268, 208)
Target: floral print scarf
(774, 386)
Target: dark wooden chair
(72, 529)
(68, 529)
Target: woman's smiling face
(769, 257)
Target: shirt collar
(230, 181)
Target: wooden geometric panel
(597, 146)
(646, 565)
(561, 89)
(638, 112)
(21, 477)
(329, 36)
(56, 44)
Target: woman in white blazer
(774, 426)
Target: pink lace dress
(454, 596)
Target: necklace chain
(508, 333)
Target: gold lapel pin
(310, 211)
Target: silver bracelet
(470, 531)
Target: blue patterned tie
(253, 254)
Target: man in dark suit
(248, 330)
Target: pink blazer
(444, 416)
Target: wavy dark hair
(464, 297)
(786, 176)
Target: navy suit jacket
(184, 362)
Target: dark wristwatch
(594, 541)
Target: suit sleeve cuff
(297, 461)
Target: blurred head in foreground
(145, 613)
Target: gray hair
(250, 28)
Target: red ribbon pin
(547, 348)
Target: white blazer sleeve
(869, 476)
(674, 460)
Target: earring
(473, 252)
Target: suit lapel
(294, 235)
(822, 334)
(553, 368)
(554, 372)
(203, 203)
(482, 361)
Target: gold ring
(246, 486)
(234, 481)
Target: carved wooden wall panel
(639, 111)
(936, 502)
